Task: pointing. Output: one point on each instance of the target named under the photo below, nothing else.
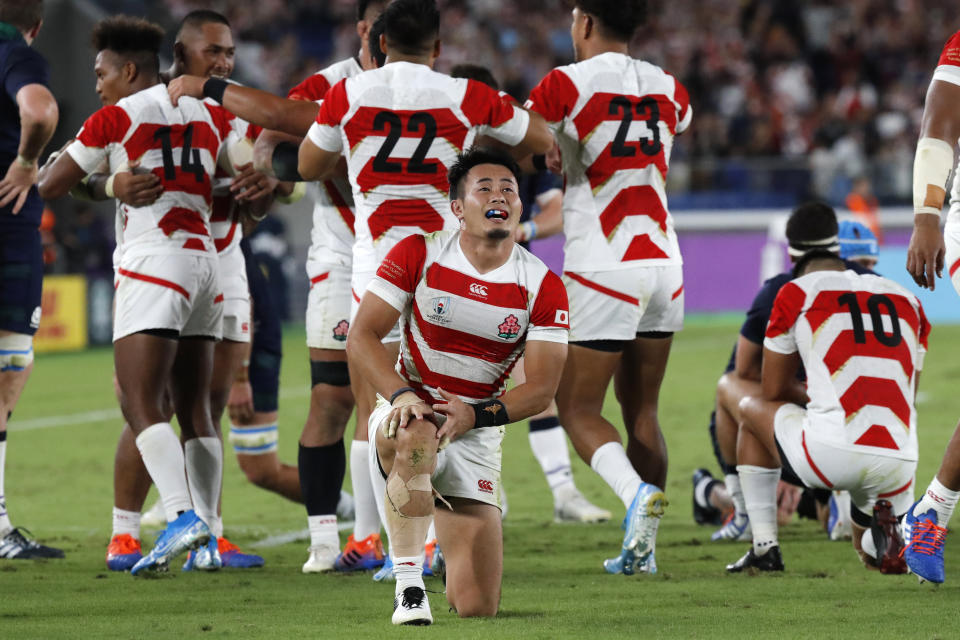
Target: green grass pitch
(58, 484)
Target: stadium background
(791, 99)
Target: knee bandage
(16, 352)
(398, 489)
(254, 440)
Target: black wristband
(540, 162)
(400, 391)
(213, 88)
(285, 160)
(491, 413)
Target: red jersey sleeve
(484, 106)
(403, 266)
(551, 309)
(335, 105)
(786, 310)
(109, 124)
(951, 51)
(555, 96)
(312, 89)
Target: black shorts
(266, 349)
(21, 279)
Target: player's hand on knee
(460, 418)
(406, 407)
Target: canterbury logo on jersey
(478, 289)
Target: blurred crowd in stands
(791, 98)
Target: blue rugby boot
(204, 558)
(924, 545)
(188, 531)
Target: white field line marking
(102, 415)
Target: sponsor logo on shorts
(35, 318)
(245, 327)
(509, 328)
(442, 310)
(340, 331)
(485, 485)
(478, 290)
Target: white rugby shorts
(358, 284)
(236, 319)
(328, 306)
(172, 292)
(951, 239)
(469, 467)
(617, 305)
(236, 294)
(868, 477)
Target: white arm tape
(931, 166)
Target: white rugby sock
(732, 481)
(408, 571)
(549, 446)
(940, 499)
(367, 520)
(611, 462)
(323, 531)
(204, 461)
(163, 457)
(760, 495)
(126, 522)
(5, 524)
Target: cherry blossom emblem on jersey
(510, 328)
(340, 331)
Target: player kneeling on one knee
(439, 422)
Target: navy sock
(321, 472)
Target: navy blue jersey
(19, 66)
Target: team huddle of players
(422, 304)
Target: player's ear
(383, 43)
(129, 71)
(456, 206)
(35, 30)
(363, 29)
(587, 25)
(178, 53)
(436, 50)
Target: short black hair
(23, 14)
(373, 41)
(476, 156)
(618, 18)
(364, 5)
(200, 17)
(475, 72)
(411, 26)
(134, 38)
(810, 224)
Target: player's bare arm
(375, 318)
(56, 180)
(315, 163)
(38, 119)
(543, 366)
(253, 105)
(934, 160)
(749, 359)
(778, 382)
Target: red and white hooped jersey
(225, 219)
(331, 240)
(462, 330)
(948, 70)
(400, 128)
(862, 339)
(614, 118)
(178, 144)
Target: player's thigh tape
(398, 490)
(254, 440)
(334, 373)
(16, 352)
